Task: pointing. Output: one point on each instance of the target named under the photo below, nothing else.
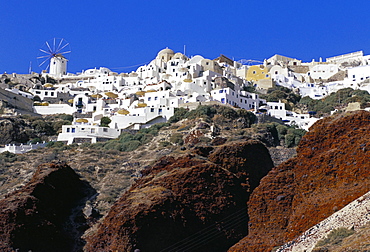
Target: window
(68, 129)
(221, 91)
(73, 130)
(152, 110)
(92, 130)
(149, 98)
(105, 129)
(222, 100)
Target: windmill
(51, 56)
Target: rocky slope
(351, 218)
(190, 203)
(46, 214)
(329, 171)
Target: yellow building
(259, 75)
(258, 72)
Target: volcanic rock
(331, 169)
(39, 216)
(189, 203)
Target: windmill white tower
(52, 57)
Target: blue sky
(120, 34)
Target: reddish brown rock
(34, 217)
(186, 204)
(331, 169)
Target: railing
(22, 148)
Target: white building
(314, 91)
(323, 71)
(357, 75)
(85, 132)
(277, 109)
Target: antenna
(30, 68)
(185, 50)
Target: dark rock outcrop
(331, 169)
(14, 130)
(45, 215)
(190, 203)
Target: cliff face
(329, 171)
(39, 217)
(186, 204)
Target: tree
(105, 121)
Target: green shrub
(41, 126)
(85, 145)
(204, 139)
(335, 237)
(8, 157)
(290, 140)
(176, 138)
(130, 145)
(228, 112)
(282, 134)
(154, 129)
(178, 115)
(113, 145)
(53, 144)
(249, 117)
(201, 111)
(164, 144)
(105, 121)
(66, 117)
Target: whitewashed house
(85, 132)
(277, 109)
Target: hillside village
(179, 178)
(171, 80)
